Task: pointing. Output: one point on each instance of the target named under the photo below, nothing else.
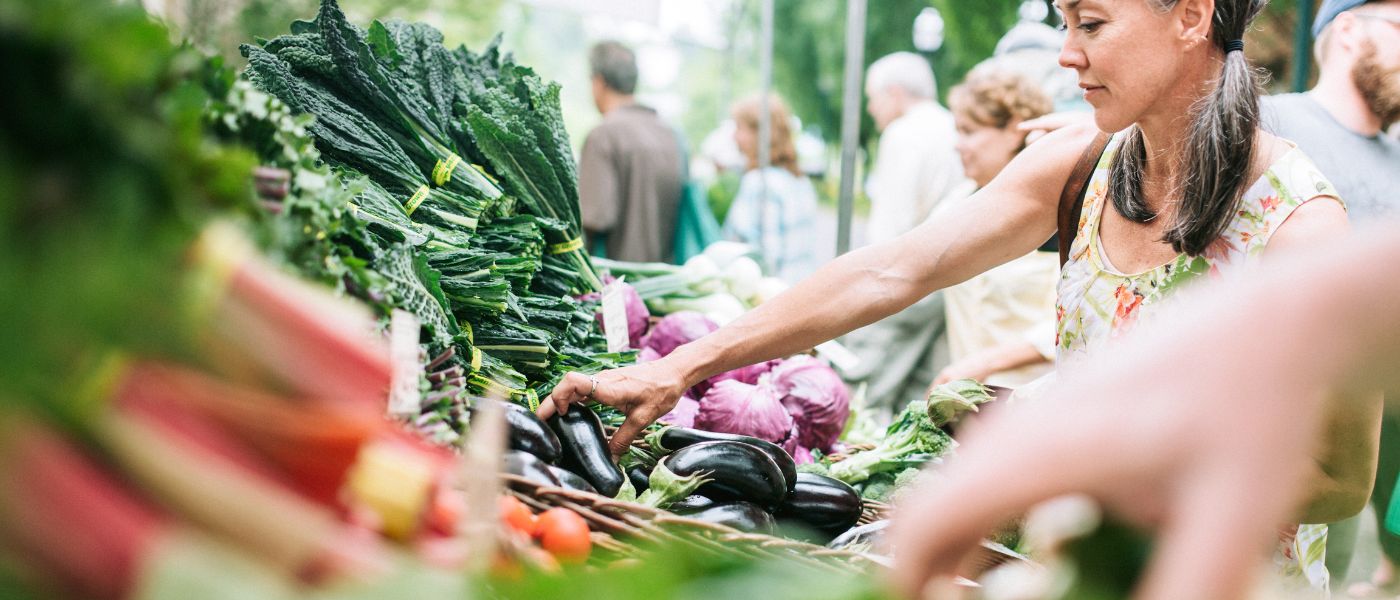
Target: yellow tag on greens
(568, 246)
(532, 399)
(476, 359)
(417, 199)
(488, 175)
(442, 171)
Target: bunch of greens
(450, 191)
(910, 441)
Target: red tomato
(518, 516)
(565, 535)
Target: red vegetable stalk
(206, 477)
(257, 321)
(306, 444)
(63, 515)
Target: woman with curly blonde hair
(1001, 325)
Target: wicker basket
(619, 526)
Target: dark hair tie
(1234, 46)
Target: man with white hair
(916, 167)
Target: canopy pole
(765, 123)
(850, 120)
(1302, 46)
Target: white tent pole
(850, 119)
(765, 124)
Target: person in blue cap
(1341, 123)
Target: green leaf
(382, 43)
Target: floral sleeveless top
(1098, 303)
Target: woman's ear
(1195, 18)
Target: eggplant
(674, 438)
(569, 480)
(744, 516)
(585, 450)
(690, 504)
(737, 471)
(640, 478)
(529, 434)
(821, 504)
(530, 467)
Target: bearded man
(1341, 125)
(1341, 122)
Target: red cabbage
(749, 375)
(816, 398)
(677, 329)
(683, 415)
(754, 410)
(802, 456)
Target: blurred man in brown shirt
(630, 172)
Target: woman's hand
(963, 369)
(644, 392)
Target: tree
(809, 48)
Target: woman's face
(747, 139)
(1131, 57)
(985, 150)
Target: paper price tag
(404, 397)
(615, 317)
(843, 359)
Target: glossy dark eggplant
(528, 433)
(737, 471)
(690, 504)
(675, 438)
(824, 505)
(569, 480)
(585, 450)
(640, 478)
(744, 516)
(530, 467)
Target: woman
(1189, 188)
(774, 208)
(1001, 327)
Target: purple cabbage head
(677, 329)
(802, 456)
(749, 375)
(683, 415)
(815, 396)
(754, 410)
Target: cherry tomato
(518, 516)
(565, 535)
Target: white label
(404, 397)
(615, 317)
(838, 355)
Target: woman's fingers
(629, 430)
(574, 387)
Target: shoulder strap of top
(1072, 197)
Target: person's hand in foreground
(1193, 430)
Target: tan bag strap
(1072, 198)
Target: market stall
(372, 276)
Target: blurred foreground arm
(1198, 428)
